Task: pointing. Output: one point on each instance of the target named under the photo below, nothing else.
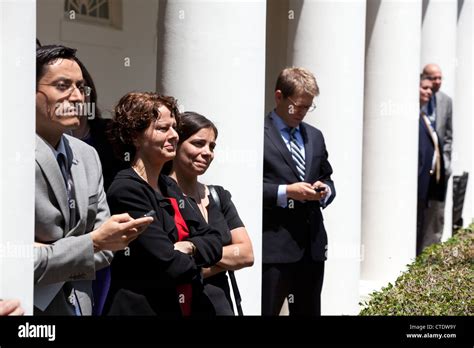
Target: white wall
(391, 106)
(438, 39)
(438, 45)
(463, 115)
(215, 66)
(103, 50)
(327, 37)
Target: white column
(212, 58)
(17, 136)
(438, 39)
(463, 115)
(438, 45)
(327, 37)
(278, 18)
(390, 150)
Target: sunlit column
(17, 149)
(327, 37)
(390, 150)
(211, 56)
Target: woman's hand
(210, 271)
(239, 254)
(186, 247)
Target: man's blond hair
(297, 80)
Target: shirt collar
(61, 149)
(279, 123)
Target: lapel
(308, 150)
(79, 177)
(425, 127)
(440, 110)
(50, 167)
(189, 210)
(275, 137)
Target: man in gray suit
(439, 111)
(74, 233)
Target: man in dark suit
(439, 110)
(431, 168)
(296, 184)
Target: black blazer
(144, 277)
(428, 188)
(289, 232)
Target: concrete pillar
(328, 38)
(278, 18)
(438, 39)
(390, 155)
(463, 115)
(438, 45)
(17, 149)
(211, 56)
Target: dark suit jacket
(427, 186)
(444, 128)
(144, 277)
(289, 232)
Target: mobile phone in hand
(151, 213)
(320, 189)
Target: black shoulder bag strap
(233, 281)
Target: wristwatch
(193, 249)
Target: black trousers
(301, 282)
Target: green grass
(439, 282)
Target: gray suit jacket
(69, 256)
(444, 127)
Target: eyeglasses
(309, 108)
(67, 87)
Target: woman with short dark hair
(160, 272)
(195, 153)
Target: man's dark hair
(424, 77)
(46, 55)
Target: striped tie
(296, 154)
(71, 195)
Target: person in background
(296, 185)
(160, 272)
(195, 153)
(93, 131)
(431, 173)
(74, 233)
(439, 110)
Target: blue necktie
(71, 198)
(430, 110)
(297, 154)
